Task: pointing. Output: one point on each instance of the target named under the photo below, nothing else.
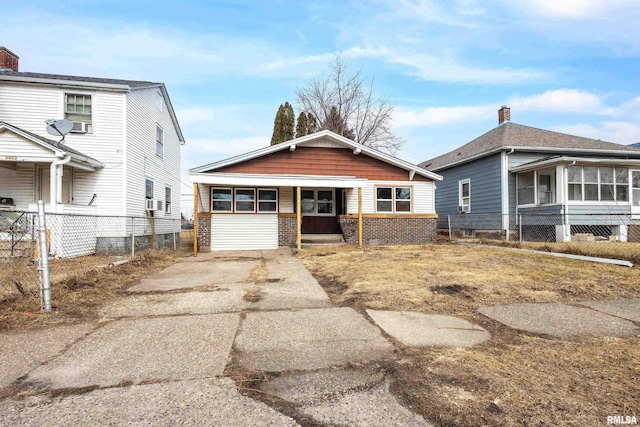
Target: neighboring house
(520, 169)
(121, 159)
(252, 201)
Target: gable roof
(310, 139)
(96, 82)
(52, 145)
(525, 138)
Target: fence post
(45, 282)
(133, 237)
(520, 228)
(174, 235)
(449, 224)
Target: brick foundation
(390, 231)
(287, 231)
(204, 233)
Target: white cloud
(574, 9)
(612, 131)
(189, 116)
(560, 100)
(435, 116)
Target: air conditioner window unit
(152, 204)
(463, 209)
(79, 127)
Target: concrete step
(322, 238)
(322, 245)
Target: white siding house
(125, 133)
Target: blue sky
(566, 65)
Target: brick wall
(287, 231)
(204, 232)
(390, 231)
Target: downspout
(506, 211)
(55, 175)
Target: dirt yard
(515, 379)
(77, 296)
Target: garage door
(244, 231)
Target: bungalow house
(122, 157)
(515, 169)
(321, 183)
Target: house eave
(265, 180)
(318, 135)
(633, 153)
(65, 83)
(570, 160)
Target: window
(78, 109)
(245, 200)
(148, 188)
(526, 188)
(593, 183)
(221, 199)
(267, 200)
(317, 202)
(393, 199)
(167, 200)
(159, 141)
(464, 190)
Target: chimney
(504, 114)
(8, 60)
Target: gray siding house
(516, 169)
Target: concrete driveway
(164, 353)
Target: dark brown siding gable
(324, 162)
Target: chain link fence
(76, 245)
(615, 236)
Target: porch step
(322, 239)
(322, 245)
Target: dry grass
(515, 378)
(77, 297)
(603, 249)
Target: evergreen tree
(301, 125)
(276, 137)
(289, 123)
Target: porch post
(195, 219)
(299, 217)
(359, 217)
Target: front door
(319, 210)
(635, 192)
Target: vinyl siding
(244, 231)
(286, 199)
(485, 178)
(104, 144)
(141, 160)
(422, 203)
(12, 145)
(598, 208)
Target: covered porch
(35, 168)
(271, 210)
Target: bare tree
(363, 116)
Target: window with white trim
(148, 188)
(78, 108)
(267, 200)
(245, 200)
(464, 196)
(221, 199)
(317, 202)
(159, 141)
(167, 200)
(598, 183)
(393, 199)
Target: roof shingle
(130, 83)
(512, 135)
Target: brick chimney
(504, 114)
(8, 60)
